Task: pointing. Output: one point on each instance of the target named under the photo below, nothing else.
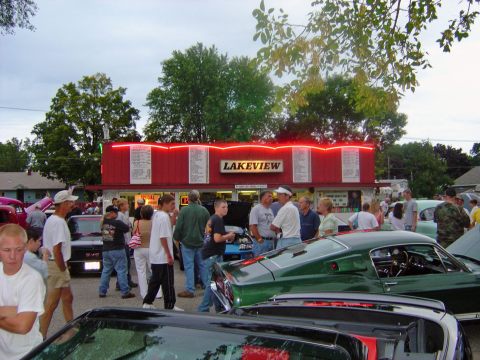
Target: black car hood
(467, 245)
(238, 212)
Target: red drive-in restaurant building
(238, 171)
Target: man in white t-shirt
(21, 296)
(56, 239)
(161, 256)
(287, 220)
(365, 219)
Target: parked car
(8, 215)
(20, 212)
(86, 243)
(123, 333)
(294, 326)
(391, 262)
(425, 224)
(394, 327)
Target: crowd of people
(34, 280)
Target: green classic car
(425, 224)
(389, 262)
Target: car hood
(467, 245)
(237, 215)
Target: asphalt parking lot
(85, 291)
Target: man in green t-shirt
(189, 231)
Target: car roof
(372, 239)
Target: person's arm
(8, 311)
(178, 231)
(58, 256)
(164, 243)
(255, 233)
(316, 224)
(29, 219)
(350, 221)
(219, 238)
(21, 323)
(415, 219)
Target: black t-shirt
(215, 225)
(136, 214)
(112, 234)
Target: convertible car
(384, 262)
(294, 326)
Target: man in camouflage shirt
(450, 218)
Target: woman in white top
(396, 217)
(329, 223)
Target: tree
(67, 143)
(332, 115)
(458, 163)
(14, 155)
(418, 163)
(16, 13)
(475, 152)
(203, 97)
(377, 42)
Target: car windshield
(84, 225)
(307, 250)
(119, 339)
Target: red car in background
(13, 211)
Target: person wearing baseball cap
(451, 219)
(56, 238)
(138, 209)
(287, 221)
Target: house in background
(29, 187)
(470, 181)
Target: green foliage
(204, 97)
(16, 13)
(418, 163)
(377, 42)
(66, 144)
(14, 156)
(475, 152)
(458, 163)
(333, 114)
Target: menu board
(198, 165)
(302, 170)
(339, 198)
(140, 164)
(350, 165)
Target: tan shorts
(56, 278)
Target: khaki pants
(56, 278)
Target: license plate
(92, 265)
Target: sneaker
(128, 296)
(102, 295)
(176, 308)
(185, 294)
(148, 306)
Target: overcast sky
(128, 40)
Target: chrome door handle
(391, 283)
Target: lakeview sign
(251, 166)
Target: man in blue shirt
(309, 220)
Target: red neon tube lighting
(251, 146)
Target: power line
(21, 109)
(450, 140)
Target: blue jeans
(192, 256)
(258, 248)
(114, 259)
(284, 242)
(208, 297)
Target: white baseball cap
(63, 196)
(284, 189)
